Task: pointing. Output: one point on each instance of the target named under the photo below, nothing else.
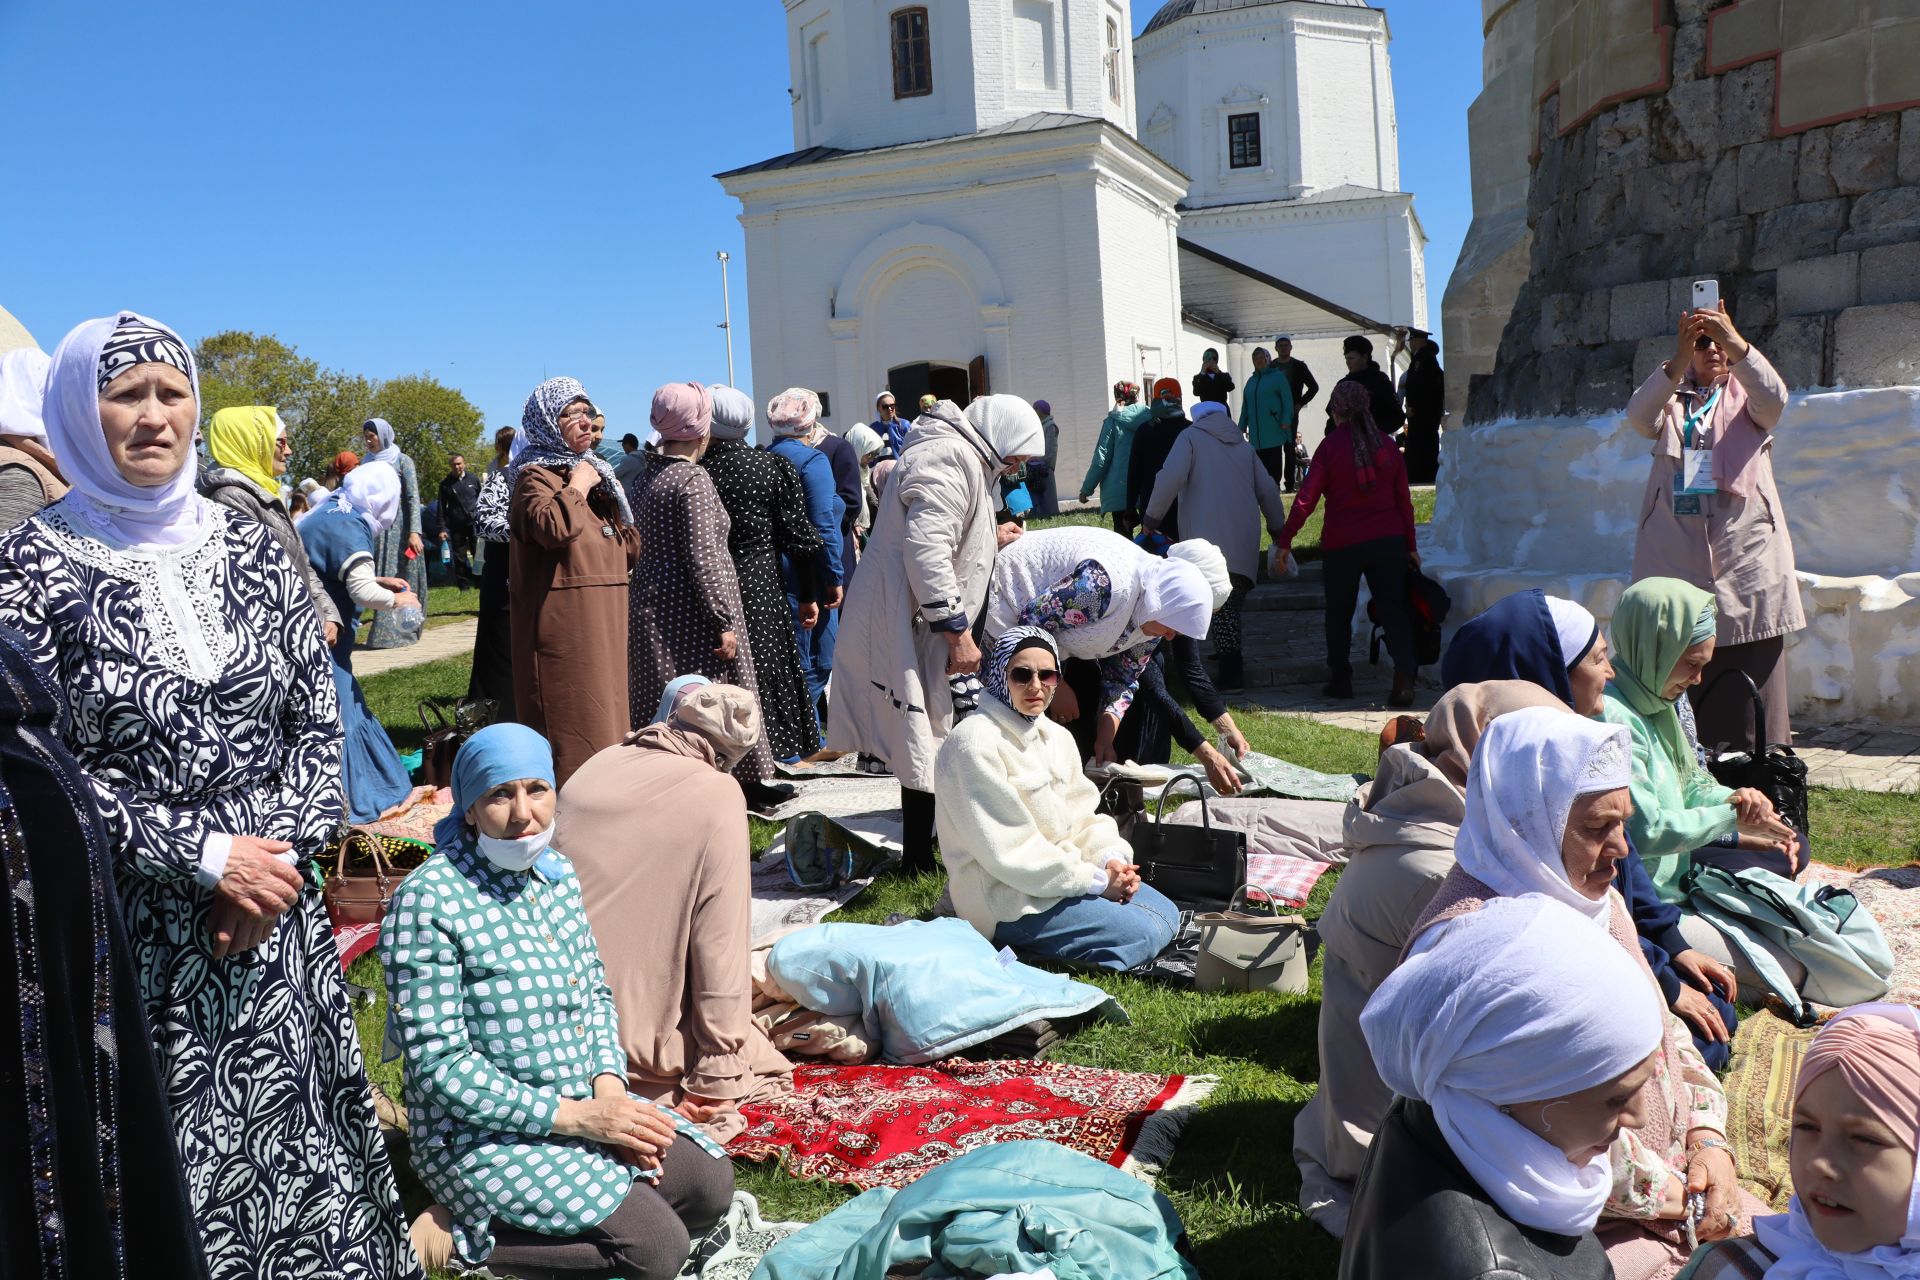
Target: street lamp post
(726, 304)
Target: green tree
(431, 422)
(324, 408)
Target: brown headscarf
(1463, 713)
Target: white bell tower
(873, 73)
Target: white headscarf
(1789, 1236)
(1207, 558)
(372, 492)
(1009, 426)
(165, 515)
(865, 440)
(1176, 594)
(388, 452)
(1530, 766)
(1574, 627)
(1513, 1003)
(23, 389)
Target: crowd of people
(1523, 1013)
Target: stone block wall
(1813, 236)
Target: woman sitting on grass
(1663, 637)
(1030, 863)
(1855, 1213)
(1520, 1042)
(516, 1083)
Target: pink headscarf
(682, 411)
(1880, 1060)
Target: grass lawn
(1232, 1177)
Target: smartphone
(1706, 295)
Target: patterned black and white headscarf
(135, 342)
(993, 672)
(539, 443)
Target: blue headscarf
(498, 753)
(671, 694)
(993, 672)
(1514, 640)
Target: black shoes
(764, 797)
(1402, 693)
(1340, 690)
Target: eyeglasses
(1703, 344)
(1029, 675)
(582, 415)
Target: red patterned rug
(884, 1126)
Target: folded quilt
(925, 989)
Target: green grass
(1232, 1177)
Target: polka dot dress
(767, 510)
(500, 1007)
(685, 594)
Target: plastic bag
(1281, 564)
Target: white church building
(1016, 196)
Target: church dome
(1175, 10)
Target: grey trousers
(648, 1237)
(1704, 937)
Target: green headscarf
(1658, 620)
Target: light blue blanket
(1011, 1207)
(925, 990)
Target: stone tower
(1621, 152)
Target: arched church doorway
(909, 382)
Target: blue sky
(488, 192)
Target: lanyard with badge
(1694, 480)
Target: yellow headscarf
(243, 438)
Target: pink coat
(1740, 550)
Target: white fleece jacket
(1017, 821)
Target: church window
(1243, 141)
(912, 54)
(1113, 58)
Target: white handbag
(1249, 951)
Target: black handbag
(1197, 867)
(448, 723)
(1771, 768)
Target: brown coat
(1740, 550)
(568, 586)
(658, 837)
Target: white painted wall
(1052, 256)
(1319, 77)
(993, 61)
(1554, 504)
(1368, 255)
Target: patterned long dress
(390, 557)
(768, 512)
(684, 594)
(199, 702)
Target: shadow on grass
(1282, 1036)
(1239, 1202)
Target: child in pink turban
(1856, 1122)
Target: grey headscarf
(732, 413)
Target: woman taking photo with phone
(1713, 517)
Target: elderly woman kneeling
(516, 1084)
(1520, 1041)
(1030, 863)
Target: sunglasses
(1703, 344)
(1028, 675)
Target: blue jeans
(1096, 930)
(816, 648)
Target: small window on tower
(1243, 141)
(1113, 59)
(912, 54)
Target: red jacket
(1383, 509)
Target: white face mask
(516, 855)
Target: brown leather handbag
(446, 732)
(361, 882)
